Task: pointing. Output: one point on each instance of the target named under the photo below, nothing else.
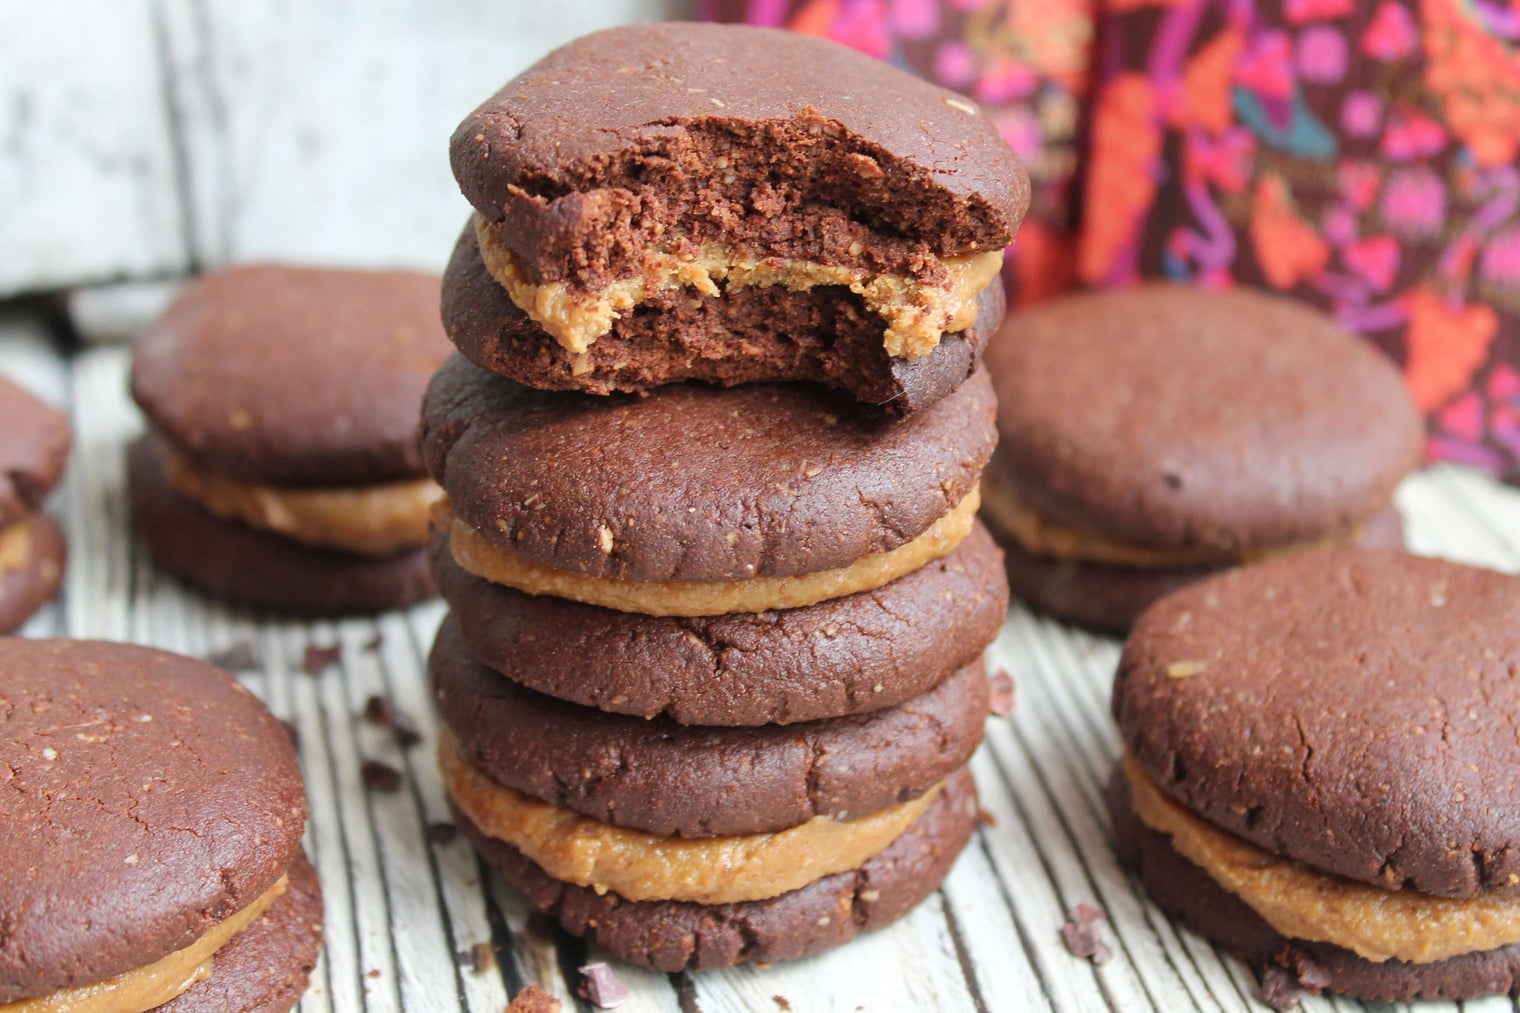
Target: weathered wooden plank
(87, 158)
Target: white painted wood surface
(403, 907)
(141, 138)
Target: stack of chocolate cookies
(712, 671)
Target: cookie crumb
(601, 987)
(316, 659)
(1280, 989)
(374, 972)
(533, 1000)
(1185, 669)
(1000, 696)
(441, 833)
(1082, 936)
(781, 1001)
(986, 818)
(481, 958)
(380, 776)
(238, 657)
(379, 710)
(374, 642)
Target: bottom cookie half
(1188, 894)
(673, 935)
(232, 560)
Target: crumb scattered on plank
(317, 658)
(781, 1002)
(380, 776)
(379, 710)
(1082, 935)
(374, 642)
(601, 987)
(441, 833)
(481, 958)
(238, 657)
(533, 1000)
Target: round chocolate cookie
(34, 448)
(692, 482)
(680, 780)
(266, 967)
(677, 935)
(149, 797)
(849, 655)
(1188, 894)
(28, 587)
(1109, 598)
(294, 376)
(1348, 708)
(654, 133)
(1181, 419)
(746, 335)
(234, 561)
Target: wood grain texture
(403, 906)
(145, 138)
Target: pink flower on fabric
(1503, 383)
(1412, 136)
(1224, 163)
(1008, 80)
(970, 5)
(1414, 203)
(1339, 225)
(1361, 114)
(1359, 182)
(1391, 34)
(1021, 130)
(1322, 54)
(862, 25)
(1374, 259)
(1499, 263)
(1267, 67)
(954, 64)
(1463, 418)
(915, 19)
(1300, 11)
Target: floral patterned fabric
(1027, 64)
(1360, 154)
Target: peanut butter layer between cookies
(917, 313)
(1302, 903)
(638, 866)
(502, 565)
(149, 987)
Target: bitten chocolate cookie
(678, 780)
(695, 500)
(673, 171)
(745, 335)
(244, 564)
(1176, 431)
(34, 449)
(674, 936)
(156, 812)
(283, 402)
(1328, 738)
(849, 655)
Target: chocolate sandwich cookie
(1156, 436)
(655, 177)
(849, 655)
(282, 406)
(695, 500)
(670, 935)
(1325, 744)
(34, 449)
(678, 780)
(744, 335)
(154, 854)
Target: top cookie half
(710, 160)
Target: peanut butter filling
(502, 565)
(149, 987)
(371, 520)
(1041, 535)
(1303, 903)
(15, 546)
(637, 866)
(917, 313)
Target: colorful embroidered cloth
(1361, 154)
